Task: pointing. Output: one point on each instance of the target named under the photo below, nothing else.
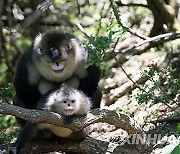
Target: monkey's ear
(37, 42)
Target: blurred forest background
(136, 45)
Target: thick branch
(125, 88)
(95, 116)
(31, 115)
(32, 18)
(88, 146)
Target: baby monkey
(66, 101)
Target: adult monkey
(54, 58)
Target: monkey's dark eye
(72, 101)
(64, 102)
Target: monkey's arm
(26, 134)
(89, 85)
(27, 95)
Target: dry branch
(124, 89)
(89, 145)
(132, 83)
(95, 116)
(158, 39)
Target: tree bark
(87, 146)
(164, 17)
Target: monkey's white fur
(73, 66)
(66, 101)
(73, 60)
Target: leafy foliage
(101, 47)
(163, 85)
(6, 132)
(7, 137)
(6, 121)
(7, 92)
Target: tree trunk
(164, 16)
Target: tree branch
(119, 3)
(95, 116)
(159, 38)
(88, 146)
(41, 8)
(114, 8)
(80, 27)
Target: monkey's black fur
(27, 94)
(57, 101)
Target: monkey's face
(67, 106)
(54, 51)
(67, 101)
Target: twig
(162, 37)
(79, 8)
(135, 84)
(102, 16)
(119, 3)
(122, 25)
(79, 26)
(126, 73)
(117, 41)
(124, 89)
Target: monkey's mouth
(57, 68)
(69, 111)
